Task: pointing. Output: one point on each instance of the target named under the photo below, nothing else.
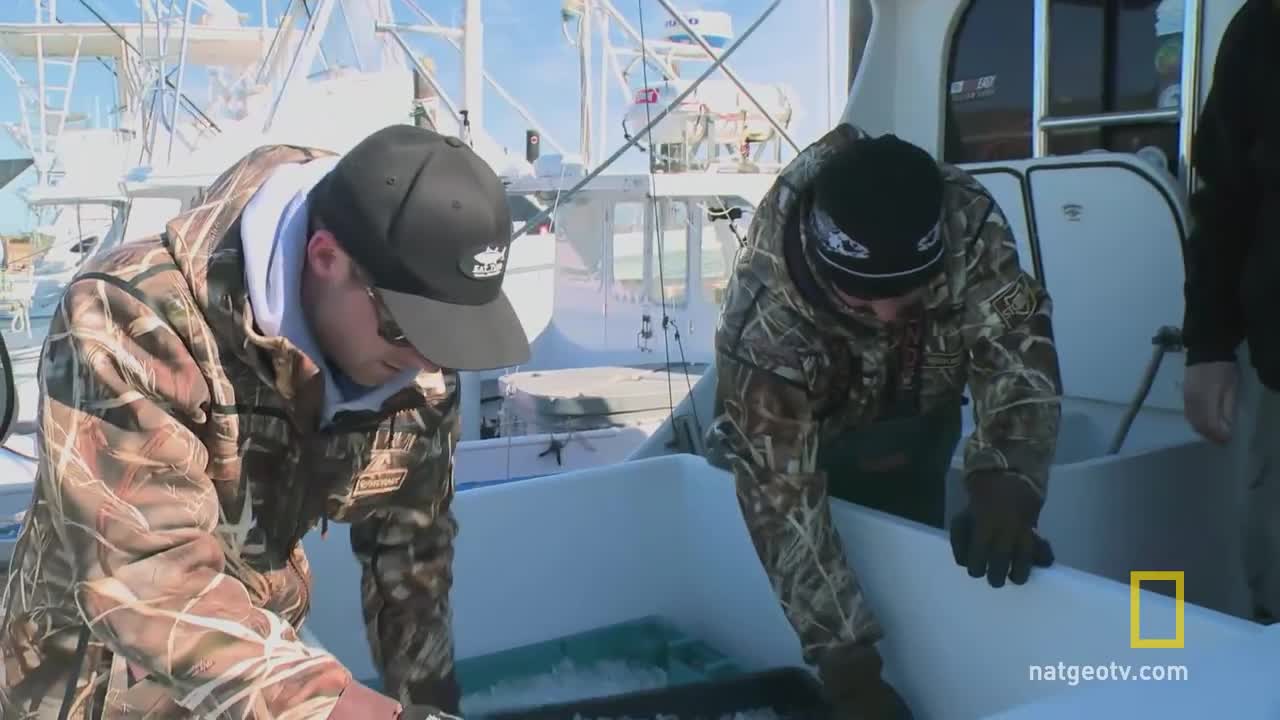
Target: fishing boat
(550, 565)
(583, 400)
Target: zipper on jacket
(77, 665)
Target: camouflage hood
(274, 233)
(212, 261)
(246, 282)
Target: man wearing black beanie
(874, 285)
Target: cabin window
(1110, 56)
(720, 245)
(1105, 56)
(628, 250)
(990, 83)
(522, 209)
(668, 280)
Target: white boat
(607, 370)
(552, 557)
(78, 201)
(98, 187)
(80, 157)
(639, 260)
(716, 150)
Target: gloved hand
(1209, 399)
(361, 702)
(425, 712)
(995, 536)
(852, 683)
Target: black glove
(852, 684)
(995, 536)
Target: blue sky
(525, 51)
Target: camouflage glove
(852, 684)
(995, 536)
(424, 712)
(360, 702)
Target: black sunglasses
(388, 329)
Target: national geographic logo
(1136, 578)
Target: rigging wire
(667, 322)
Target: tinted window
(1114, 56)
(720, 245)
(629, 248)
(990, 83)
(670, 266)
(1104, 56)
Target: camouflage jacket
(794, 370)
(160, 573)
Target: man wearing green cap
(874, 285)
(283, 355)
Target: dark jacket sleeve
(1225, 208)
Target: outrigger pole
(635, 137)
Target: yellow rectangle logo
(1135, 616)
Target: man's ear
(325, 258)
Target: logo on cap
(486, 264)
(841, 244)
(930, 239)
(834, 240)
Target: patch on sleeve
(943, 360)
(1015, 303)
(379, 481)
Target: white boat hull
(548, 557)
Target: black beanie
(874, 222)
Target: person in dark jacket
(1233, 259)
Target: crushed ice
(760, 714)
(566, 682)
